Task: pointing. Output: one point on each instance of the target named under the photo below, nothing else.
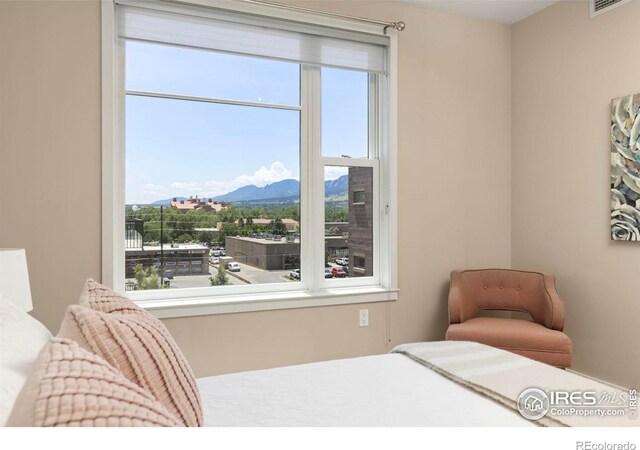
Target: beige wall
(50, 145)
(454, 167)
(566, 69)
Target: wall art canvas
(625, 168)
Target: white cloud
(335, 172)
(264, 176)
(261, 177)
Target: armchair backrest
(501, 289)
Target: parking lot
(191, 281)
(247, 275)
(253, 275)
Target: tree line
(173, 225)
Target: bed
(423, 384)
(446, 383)
(382, 390)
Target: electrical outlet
(364, 317)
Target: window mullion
(116, 278)
(379, 215)
(348, 162)
(385, 184)
(312, 192)
(317, 201)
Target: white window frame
(310, 291)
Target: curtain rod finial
(399, 25)
(396, 26)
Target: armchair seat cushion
(523, 337)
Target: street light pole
(161, 245)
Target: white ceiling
(504, 11)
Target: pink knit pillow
(141, 348)
(69, 386)
(101, 298)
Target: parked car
(327, 273)
(217, 253)
(214, 260)
(338, 272)
(233, 267)
(342, 261)
(223, 252)
(346, 269)
(168, 273)
(295, 273)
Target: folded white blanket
(503, 376)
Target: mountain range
(281, 190)
(167, 202)
(284, 191)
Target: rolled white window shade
(206, 32)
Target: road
(247, 275)
(258, 276)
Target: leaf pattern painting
(625, 168)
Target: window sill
(187, 307)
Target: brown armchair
(513, 290)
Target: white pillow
(21, 339)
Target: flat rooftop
(168, 247)
(264, 241)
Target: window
(359, 197)
(212, 157)
(359, 264)
(255, 159)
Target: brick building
(360, 221)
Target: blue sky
(183, 148)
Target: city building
(197, 203)
(267, 253)
(177, 259)
(360, 221)
(335, 247)
(290, 224)
(278, 253)
(336, 229)
(214, 232)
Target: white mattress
(383, 390)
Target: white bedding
(383, 390)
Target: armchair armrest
(557, 305)
(455, 300)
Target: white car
(214, 260)
(233, 267)
(295, 273)
(342, 261)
